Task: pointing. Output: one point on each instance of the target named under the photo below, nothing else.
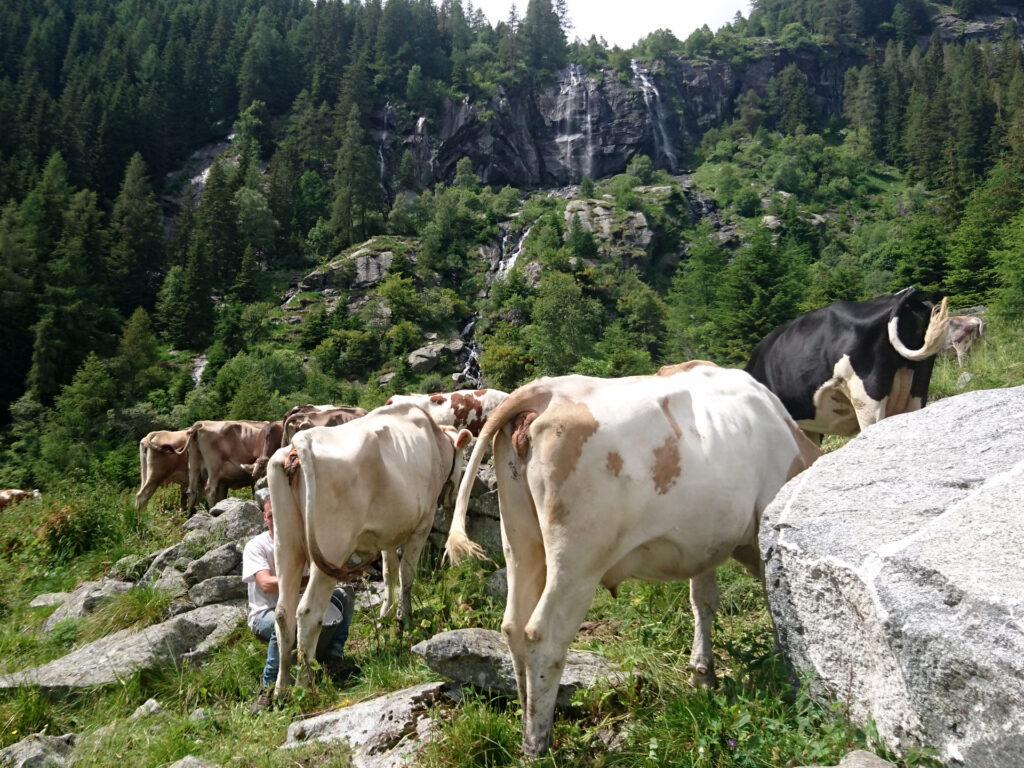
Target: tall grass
(995, 362)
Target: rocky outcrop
(480, 657)
(360, 268)
(427, 358)
(115, 658)
(221, 561)
(85, 599)
(894, 580)
(382, 732)
(624, 233)
(39, 751)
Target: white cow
(367, 486)
(466, 409)
(656, 477)
(960, 335)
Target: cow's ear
(462, 439)
(248, 468)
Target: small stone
(222, 561)
(497, 585)
(147, 708)
(191, 761)
(199, 715)
(859, 759)
(963, 380)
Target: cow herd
(660, 477)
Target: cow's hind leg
(704, 601)
(310, 618)
(568, 593)
(524, 556)
(146, 492)
(411, 550)
(390, 563)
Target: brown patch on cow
(574, 424)
(390, 401)
(469, 413)
(614, 463)
(521, 432)
(667, 466)
(807, 452)
(676, 429)
(437, 399)
(291, 465)
(689, 365)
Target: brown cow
(466, 409)
(220, 448)
(11, 496)
(319, 416)
(162, 461)
(960, 335)
(297, 419)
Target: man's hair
(266, 500)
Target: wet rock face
(894, 579)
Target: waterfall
(573, 98)
(198, 366)
(508, 260)
(382, 145)
(663, 147)
(470, 372)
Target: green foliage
(564, 324)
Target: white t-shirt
(257, 556)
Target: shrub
(69, 531)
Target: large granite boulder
(85, 599)
(480, 657)
(39, 751)
(428, 357)
(380, 733)
(115, 658)
(894, 578)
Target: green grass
(995, 362)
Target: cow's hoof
(535, 748)
(702, 676)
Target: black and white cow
(841, 368)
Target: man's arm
(266, 582)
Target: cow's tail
(934, 335)
(143, 464)
(532, 399)
(189, 435)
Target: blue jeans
(330, 645)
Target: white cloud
(623, 22)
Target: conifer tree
(245, 281)
(136, 248)
(357, 193)
(544, 43)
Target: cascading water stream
(508, 260)
(663, 147)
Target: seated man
(259, 573)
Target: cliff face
(592, 124)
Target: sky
(623, 22)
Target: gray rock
(372, 596)
(161, 561)
(223, 560)
(480, 657)
(218, 589)
(200, 521)
(199, 715)
(381, 733)
(147, 708)
(236, 519)
(894, 580)
(171, 580)
(85, 599)
(859, 759)
(39, 751)
(621, 233)
(131, 567)
(48, 599)
(963, 380)
(497, 585)
(190, 761)
(384, 380)
(115, 658)
(429, 357)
